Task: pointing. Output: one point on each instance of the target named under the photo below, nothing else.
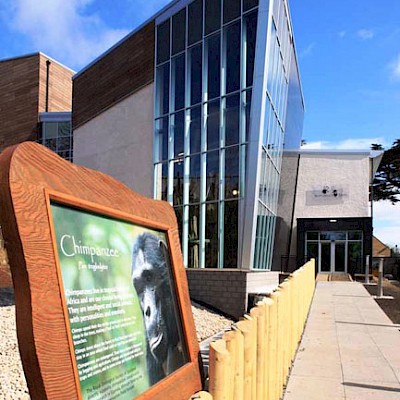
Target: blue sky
(348, 50)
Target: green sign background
(103, 308)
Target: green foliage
(386, 185)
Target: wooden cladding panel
(60, 86)
(19, 86)
(126, 69)
(23, 96)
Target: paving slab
(350, 349)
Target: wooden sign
(103, 310)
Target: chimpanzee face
(148, 280)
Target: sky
(348, 53)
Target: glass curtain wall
(279, 61)
(204, 79)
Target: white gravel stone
(12, 379)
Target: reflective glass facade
(206, 130)
(281, 59)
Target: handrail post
(367, 270)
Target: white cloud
(387, 222)
(63, 29)
(347, 144)
(365, 34)
(308, 50)
(342, 34)
(394, 67)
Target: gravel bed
(12, 379)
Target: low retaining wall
(227, 289)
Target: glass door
(340, 257)
(325, 257)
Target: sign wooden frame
(31, 176)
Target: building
(34, 88)
(324, 210)
(35, 104)
(380, 249)
(197, 114)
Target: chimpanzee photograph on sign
(151, 278)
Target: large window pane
(248, 4)
(164, 184)
(213, 66)
(232, 120)
(232, 40)
(50, 130)
(63, 144)
(212, 242)
(195, 21)
(355, 257)
(213, 125)
(178, 181)
(355, 235)
(333, 235)
(250, 24)
(213, 15)
(312, 235)
(51, 144)
(178, 31)
(312, 252)
(231, 234)
(231, 10)
(195, 129)
(232, 172)
(64, 129)
(179, 217)
(194, 183)
(178, 79)
(247, 113)
(162, 139)
(162, 95)
(212, 181)
(163, 35)
(162, 181)
(194, 238)
(179, 134)
(195, 55)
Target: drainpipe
(48, 62)
(372, 207)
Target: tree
(386, 185)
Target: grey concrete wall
(227, 289)
(347, 172)
(119, 141)
(285, 207)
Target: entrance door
(332, 256)
(340, 257)
(325, 257)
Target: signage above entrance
(326, 195)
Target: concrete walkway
(350, 348)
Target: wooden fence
(252, 361)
